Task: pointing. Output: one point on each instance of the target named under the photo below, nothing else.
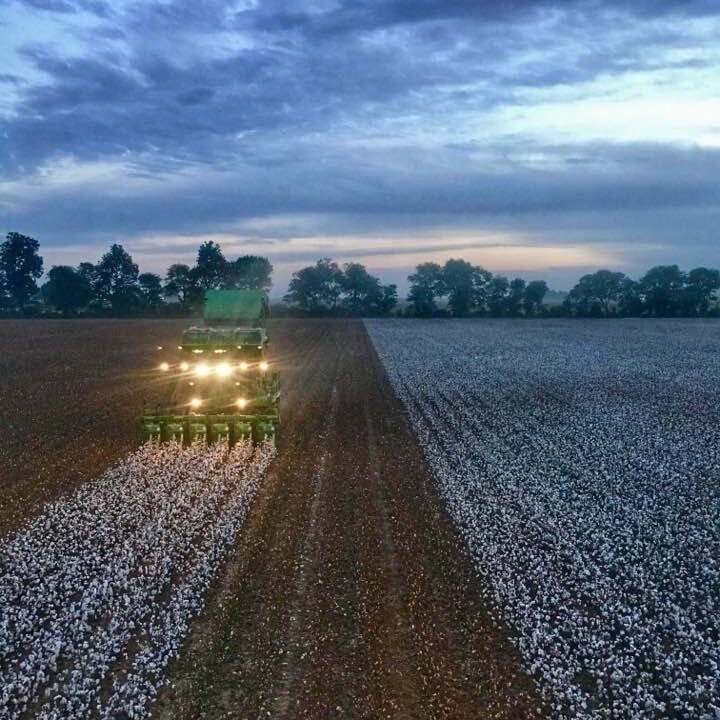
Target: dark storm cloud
(289, 81)
(351, 17)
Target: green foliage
(115, 284)
(324, 288)
(533, 297)
(459, 282)
(468, 288)
(151, 290)
(20, 267)
(701, 289)
(211, 267)
(498, 295)
(180, 285)
(426, 285)
(67, 290)
(248, 272)
(316, 289)
(605, 289)
(515, 297)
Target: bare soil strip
(347, 593)
(72, 392)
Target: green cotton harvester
(225, 387)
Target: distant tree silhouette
(115, 285)
(426, 286)
(701, 289)
(247, 272)
(67, 290)
(151, 290)
(317, 288)
(20, 268)
(179, 284)
(497, 296)
(211, 267)
(516, 296)
(533, 297)
(662, 290)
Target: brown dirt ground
(347, 594)
(71, 392)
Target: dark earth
(348, 593)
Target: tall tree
(211, 267)
(497, 296)
(361, 289)
(20, 267)
(67, 290)
(662, 288)
(388, 299)
(460, 284)
(604, 288)
(533, 297)
(515, 297)
(482, 284)
(316, 288)
(116, 281)
(426, 286)
(151, 290)
(180, 284)
(249, 272)
(701, 289)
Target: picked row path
(348, 594)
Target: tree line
(460, 289)
(114, 286)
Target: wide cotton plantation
(581, 463)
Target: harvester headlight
(264, 366)
(184, 366)
(195, 403)
(243, 366)
(202, 370)
(223, 369)
(197, 351)
(164, 366)
(241, 403)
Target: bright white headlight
(164, 366)
(202, 370)
(264, 366)
(184, 366)
(243, 366)
(195, 403)
(223, 369)
(241, 403)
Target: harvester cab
(225, 387)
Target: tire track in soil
(296, 653)
(348, 593)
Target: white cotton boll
(580, 462)
(107, 551)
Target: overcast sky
(539, 138)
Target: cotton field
(97, 593)
(581, 464)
